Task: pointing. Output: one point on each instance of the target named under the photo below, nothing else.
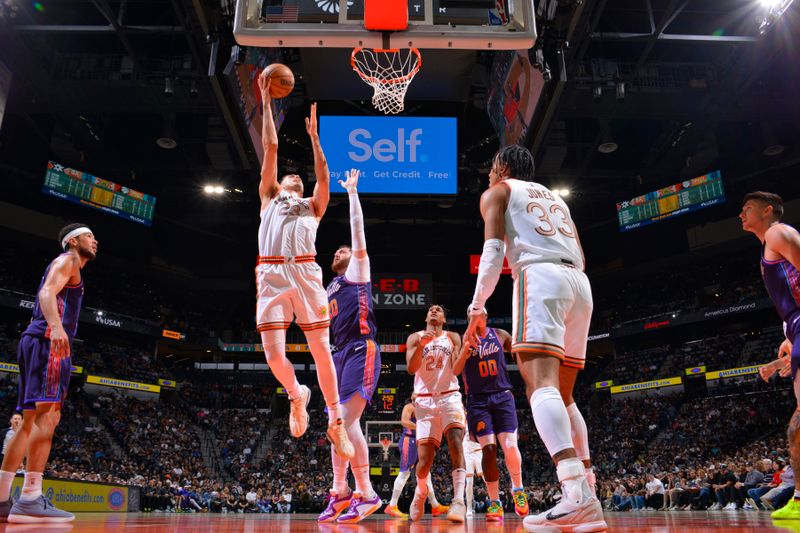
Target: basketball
(282, 80)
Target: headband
(77, 232)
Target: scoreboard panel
(387, 401)
(678, 199)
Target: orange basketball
(282, 80)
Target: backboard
(433, 24)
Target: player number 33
(546, 227)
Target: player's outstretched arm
(62, 270)
(322, 190)
(358, 270)
(405, 417)
(268, 188)
(493, 209)
(460, 357)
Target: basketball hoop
(389, 71)
(386, 442)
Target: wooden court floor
(652, 522)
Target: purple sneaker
(360, 508)
(335, 507)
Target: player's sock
(429, 487)
(508, 442)
(339, 474)
(6, 479)
(399, 484)
(469, 494)
(363, 484)
(274, 342)
(796, 494)
(459, 478)
(493, 488)
(320, 347)
(31, 487)
(580, 435)
(551, 419)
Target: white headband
(77, 232)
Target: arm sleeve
(488, 272)
(358, 269)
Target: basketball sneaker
(360, 508)
(335, 507)
(790, 511)
(37, 511)
(440, 510)
(298, 414)
(520, 502)
(417, 508)
(585, 517)
(5, 508)
(457, 512)
(338, 437)
(392, 510)
(494, 513)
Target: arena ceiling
(702, 88)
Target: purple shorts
(493, 413)
(358, 366)
(408, 452)
(42, 378)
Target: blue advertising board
(396, 155)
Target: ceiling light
(218, 189)
(607, 147)
(562, 192)
(209, 189)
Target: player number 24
(546, 226)
(434, 362)
(487, 368)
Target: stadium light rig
(774, 10)
(214, 189)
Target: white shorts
(552, 310)
(474, 462)
(288, 291)
(436, 415)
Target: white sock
(580, 435)
(399, 483)
(363, 484)
(573, 480)
(459, 479)
(6, 479)
(493, 488)
(339, 474)
(551, 419)
(32, 487)
(431, 495)
(469, 495)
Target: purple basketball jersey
(485, 371)
(352, 317)
(69, 308)
(782, 281)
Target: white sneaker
(714, 507)
(585, 517)
(298, 415)
(457, 511)
(417, 508)
(470, 513)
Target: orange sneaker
(495, 511)
(521, 503)
(440, 510)
(394, 511)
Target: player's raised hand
(263, 84)
(785, 348)
(311, 122)
(476, 320)
(351, 185)
(426, 336)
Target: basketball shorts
(436, 415)
(288, 291)
(408, 452)
(473, 461)
(358, 367)
(42, 376)
(552, 310)
(491, 414)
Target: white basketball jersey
(470, 446)
(288, 227)
(436, 372)
(539, 228)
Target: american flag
(281, 13)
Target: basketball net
(389, 72)
(385, 444)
